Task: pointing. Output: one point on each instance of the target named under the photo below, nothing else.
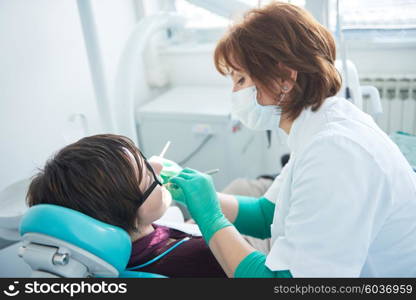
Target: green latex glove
(170, 168)
(176, 192)
(201, 199)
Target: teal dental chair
(61, 242)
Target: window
(263, 2)
(198, 17)
(216, 13)
(379, 14)
(377, 20)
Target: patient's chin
(164, 204)
(167, 199)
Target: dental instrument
(162, 154)
(212, 172)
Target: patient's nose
(157, 166)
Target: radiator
(398, 99)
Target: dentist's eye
(241, 80)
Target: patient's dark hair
(95, 176)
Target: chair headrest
(108, 242)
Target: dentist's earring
(283, 94)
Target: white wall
(114, 21)
(45, 76)
(44, 79)
(192, 64)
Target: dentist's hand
(199, 195)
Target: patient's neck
(143, 230)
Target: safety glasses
(156, 181)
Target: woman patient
(106, 177)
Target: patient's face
(158, 201)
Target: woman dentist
(345, 204)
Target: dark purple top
(193, 258)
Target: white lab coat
(346, 200)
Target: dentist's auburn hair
(94, 176)
(277, 35)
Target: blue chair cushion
(110, 243)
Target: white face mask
(253, 115)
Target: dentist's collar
(308, 123)
(293, 141)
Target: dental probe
(165, 149)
